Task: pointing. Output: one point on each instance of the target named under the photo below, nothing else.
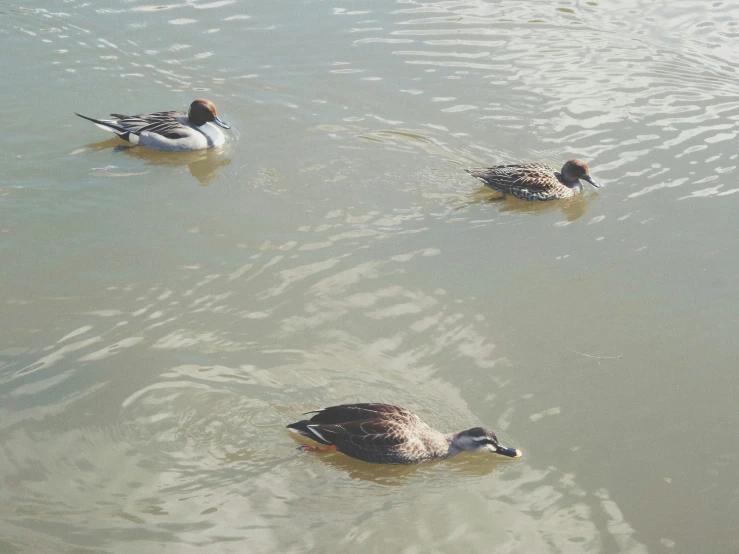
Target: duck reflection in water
(203, 165)
(573, 208)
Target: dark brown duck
(385, 434)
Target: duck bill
(220, 123)
(592, 181)
(510, 452)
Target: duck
(536, 182)
(386, 434)
(169, 131)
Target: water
(163, 317)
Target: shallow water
(165, 316)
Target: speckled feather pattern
(377, 433)
(535, 181)
(166, 124)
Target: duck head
(202, 111)
(480, 439)
(574, 170)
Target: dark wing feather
(159, 123)
(345, 413)
(382, 441)
(377, 434)
(506, 177)
(364, 434)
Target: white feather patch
(313, 430)
(106, 128)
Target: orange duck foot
(307, 448)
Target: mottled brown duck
(385, 434)
(535, 181)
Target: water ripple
(598, 87)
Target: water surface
(163, 317)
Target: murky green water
(163, 317)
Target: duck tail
(479, 173)
(301, 428)
(109, 125)
(106, 124)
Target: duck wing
(368, 433)
(506, 177)
(345, 413)
(165, 124)
(384, 442)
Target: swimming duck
(385, 434)
(536, 181)
(169, 131)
